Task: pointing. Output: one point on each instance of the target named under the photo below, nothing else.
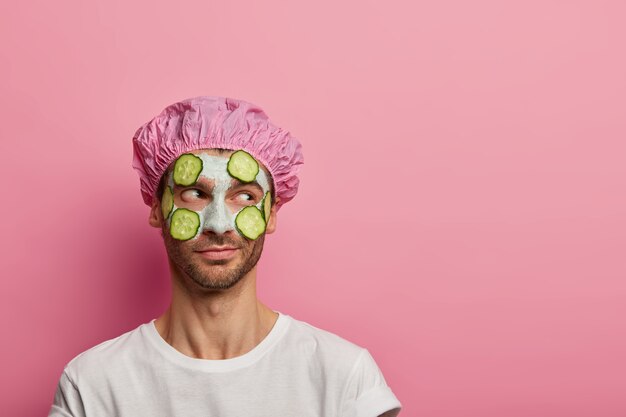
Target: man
(215, 172)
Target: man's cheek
(184, 224)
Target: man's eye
(250, 195)
(191, 194)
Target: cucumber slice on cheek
(184, 224)
(250, 222)
(167, 202)
(267, 206)
(187, 169)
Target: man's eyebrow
(234, 183)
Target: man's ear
(155, 214)
(271, 225)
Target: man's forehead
(213, 151)
(216, 152)
(234, 182)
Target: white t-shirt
(297, 370)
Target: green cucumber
(250, 222)
(167, 202)
(187, 169)
(267, 206)
(184, 224)
(243, 166)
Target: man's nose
(218, 218)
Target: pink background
(462, 210)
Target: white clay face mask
(189, 169)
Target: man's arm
(367, 393)
(391, 413)
(67, 399)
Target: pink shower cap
(215, 122)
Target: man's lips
(217, 248)
(218, 252)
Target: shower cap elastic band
(216, 122)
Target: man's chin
(216, 272)
(216, 284)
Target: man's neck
(222, 325)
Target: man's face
(217, 198)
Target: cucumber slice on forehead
(184, 224)
(167, 202)
(243, 166)
(187, 169)
(250, 222)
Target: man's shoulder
(352, 368)
(109, 354)
(324, 342)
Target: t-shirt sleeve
(67, 400)
(367, 393)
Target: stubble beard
(213, 274)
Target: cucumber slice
(267, 206)
(250, 222)
(243, 166)
(167, 202)
(187, 169)
(184, 224)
